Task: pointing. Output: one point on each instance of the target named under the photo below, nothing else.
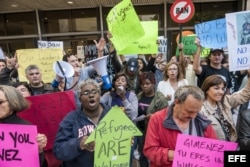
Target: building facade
(80, 26)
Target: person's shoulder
(161, 114)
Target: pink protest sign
(47, 110)
(200, 152)
(18, 146)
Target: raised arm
(196, 64)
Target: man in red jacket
(181, 117)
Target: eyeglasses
(1, 102)
(88, 92)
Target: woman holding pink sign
(11, 102)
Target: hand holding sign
(113, 139)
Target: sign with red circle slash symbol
(182, 11)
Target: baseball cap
(212, 50)
(132, 64)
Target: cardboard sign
(113, 139)
(43, 58)
(47, 111)
(199, 151)
(18, 146)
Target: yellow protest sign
(43, 58)
(124, 25)
(147, 43)
(113, 137)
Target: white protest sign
(50, 44)
(238, 33)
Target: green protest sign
(113, 138)
(124, 25)
(147, 43)
(189, 45)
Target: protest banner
(43, 58)
(238, 32)
(212, 34)
(113, 137)
(199, 151)
(47, 111)
(50, 44)
(18, 146)
(147, 44)
(124, 25)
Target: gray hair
(182, 93)
(16, 100)
(31, 67)
(89, 82)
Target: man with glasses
(75, 128)
(214, 66)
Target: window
(20, 23)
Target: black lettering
(9, 155)
(2, 136)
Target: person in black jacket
(243, 130)
(11, 102)
(77, 125)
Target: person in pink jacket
(181, 117)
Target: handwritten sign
(124, 25)
(43, 58)
(199, 151)
(147, 43)
(50, 44)
(163, 45)
(113, 139)
(212, 34)
(18, 146)
(238, 32)
(91, 53)
(47, 111)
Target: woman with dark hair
(149, 101)
(142, 66)
(122, 96)
(12, 102)
(217, 105)
(23, 88)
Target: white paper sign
(238, 33)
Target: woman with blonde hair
(173, 78)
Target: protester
(12, 102)
(217, 106)
(122, 96)
(37, 86)
(214, 66)
(173, 78)
(149, 102)
(182, 117)
(75, 128)
(7, 70)
(157, 67)
(243, 130)
(23, 88)
(142, 66)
